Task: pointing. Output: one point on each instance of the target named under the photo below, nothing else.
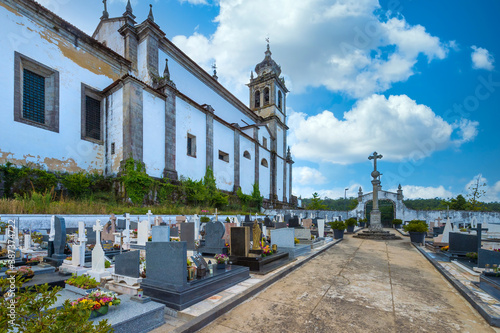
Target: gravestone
(174, 231)
(247, 219)
(240, 241)
(280, 225)
(321, 227)
(461, 244)
(283, 237)
(91, 236)
(56, 247)
(187, 235)
(127, 264)
(293, 222)
(307, 223)
(227, 232)
(143, 233)
(199, 261)
(134, 225)
(160, 233)
(303, 234)
(268, 223)
(287, 218)
(166, 270)
(109, 229)
(214, 243)
(98, 269)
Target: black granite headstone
(462, 243)
(59, 238)
(121, 224)
(268, 223)
(166, 264)
(174, 231)
(279, 225)
(133, 225)
(128, 263)
(247, 218)
(187, 234)
(240, 241)
(293, 222)
(90, 236)
(287, 218)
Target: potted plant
(397, 223)
(362, 222)
(350, 224)
(338, 228)
(99, 302)
(417, 230)
(204, 218)
(472, 257)
(222, 260)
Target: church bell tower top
(268, 65)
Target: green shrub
(416, 226)
(78, 184)
(351, 221)
(397, 221)
(82, 281)
(337, 225)
(136, 180)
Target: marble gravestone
(240, 241)
(227, 232)
(187, 234)
(160, 233)
(283, 238)
(166, 271)
(321, 227)
(98, 269)
(214, 241)
(143, 233)
(127, 264)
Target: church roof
(268, 65)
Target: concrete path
(357, 286)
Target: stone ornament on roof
(268, 65)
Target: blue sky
(416, 81)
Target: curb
(206, 318)
(491, 317)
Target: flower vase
(99, 312)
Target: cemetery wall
(154, 134)
(60, 148)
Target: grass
(43, 205)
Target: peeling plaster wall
(223, 171)
(114, 131)
(154, 134)
(108, 33)
(264, 173)
(264, 133)
(247, 166)
(142, 61)
(22, 143)
(279, 141)
(189, 85)
(190, 120)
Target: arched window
(280, 98)
(266, 96)
(257, 99)
(246, 154)
(264, 163)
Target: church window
(264, 163)
(246, 154)
(191, 145)
(266, 96)
(36, 93)
(280, 99)
(112, 148)
(264, 142)
(91, 115)
(223, 156)
(257, 99)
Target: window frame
(256, 99)
(264, 163)
(225, 156)
(193, 145)
(95, 94)
(51, 105)
(246, 154)
(264, 142)
(267, 97)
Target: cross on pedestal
(479, 231)
(97, 228)
(216, 215)
(374, 157)
(439, 219)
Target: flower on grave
(5, 263)
(35, 259)
(175, 239)
(197, 243)
(36, 236)
(98, 298)
(227, 245)
(266, 251)
(221, 258)
(150, 238)
(69, 258)
(445, 248)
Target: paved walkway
(357, 286)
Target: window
(191, 145)
(264, 163)
(264, 142)
(112, 148)
(91, 115)
(257, 99)
(223, 156)
(266, 96)
(280, 99)
(36, 93)
(246, 154)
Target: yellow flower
(110, 303)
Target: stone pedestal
(375, 220)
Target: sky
(415, 81)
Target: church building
(74, 102)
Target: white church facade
(74, 102)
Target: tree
(316, 203)
(458, 203)
(476, 191)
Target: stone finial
(150, 16)
(360, 190)
(251, 75)
(214, 67)
(399, 187)
(128, 8)
(105, 14)
(166, 72)
(289, 154)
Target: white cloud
(396, 126)
(195, 2)
(496, 187)
(333, 193)
(308, 176)
(481, 58)
(423, 192)
(341, 44)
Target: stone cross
(126, 232)
(82, 239)
(97, 228)
(439, 219)
(374, 157)
(149, 219)
(479, 231)
(27, 241)
(216, 215)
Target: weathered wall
(247, 166)
(108, 34)
(223, 171)
(114, 131)
(264, 173)
(154, 134)
(21, 143)
(279, 178)
(193, 121)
